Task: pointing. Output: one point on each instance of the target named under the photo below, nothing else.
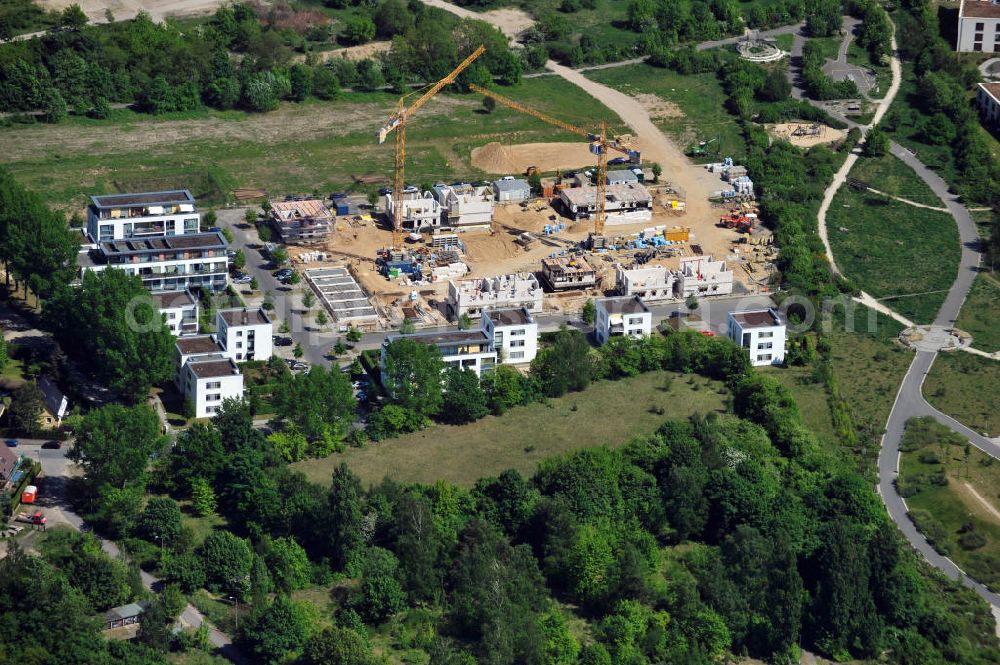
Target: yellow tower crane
(397, 121)
(600, 143)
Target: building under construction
(703, 276)
(470, 297)
(651, 283)
(301, 221)
(563, 273)
(624, 203)
(465, 204)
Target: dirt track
(127, 9)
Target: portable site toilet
(29, 494)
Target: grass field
(981, 312)
(953, 499)
(869, 367)
(905, 256)
(785, 42)
(811, 398)
(300, 148)
(524, 436)
(696, 104)
(829, 46)
(892, 176)
(966, 387)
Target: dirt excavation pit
(507, 159)
(808, 135)
(657, 108)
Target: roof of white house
(992, 89)
(623, 305)
(197, 344)
(763, 318)
(244, 317)
(213, 367)
(173, 299)
(979, 9)
(143, 199)
(511, 185)
(511, 317)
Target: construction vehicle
(743, 223)
(701, 148)
(530, 171)
(397, 122)
(600, 144)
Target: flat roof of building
(624, 305)
(198, 344)
(623, 174)
(992, 89)
(632, 192)
(164, 244)
(244, 317)
(515, 316)
(171, 197)
(511, 185)
(445, 337)
(979, 9)
(210, 368)
(126, 611)
(566, 264)
(173, 299)
(762, 318)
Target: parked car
(52, 445)
(385, 190)
(616, 161)
(279, 340)
(242, 278)
(11, 443)
(362, 396)
(297, 365)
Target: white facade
(988, 101)
(245, 334)
(622, 177)
(473, 296)
(465, 349)
(625, 316)
(209, 380)
(465, 205)
(703, 276)
(420, 211)
(179, 310)
(650, 283)
(513, 333)
(761, 333)
(169, 263)
(142, 215)
(979, 26)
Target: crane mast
(397, 123)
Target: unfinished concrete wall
(650, 283)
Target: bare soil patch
(354, 53)
(657, 108)
(498, 158)
(826, 134)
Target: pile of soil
(493, 158)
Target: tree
(153, 629)
(253, 284)
(73, 17)
(564, 366)
(464, 322)
(203, 497)
(589, 312)
(289, 565)
(337, 646)
(691, 302)
(26, 408)
(369, 75)
(276, 630)
(258, 94)
(308, 299)
(392, 18)
(250, 216)
(325, 83)
(279, 255)
(504, 388)
(776, 87)
(358, 30)
(464, 401)
(160, 521)
(226, 559)
(657, 172)
(197, 455)
(240, 260)
(420, 545)
(112, 325)
(413, 376)
(113, 444)
(54, 106)
(321, 318)
(354, 335)
(301, 81)
(823, 18)
(344, 506)
(298, 351)
(876, 143)
(489, 104)
(379, 595)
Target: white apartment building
(651, 283)
(245, 334)
(472, 296)
(465, 205)
(179, 310)
(988, 101)
(142, 215)
(208, 380)
(703, 276)
(979, 26)
(169, 263)
(465, 349)
(761, 333)
(513, 333)
(421, 212)
(616, 317)
(190, 348)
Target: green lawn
(309, 147)
(892, 176)
(953, 499)
(829, 46)
(524, 436)
(785, 42)
(812, 399)
(905, 256)
(966, 387)
(698, 108)
(981, 312)
(869, 366)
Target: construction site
(558, 224)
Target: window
(517, 333)
(171, 316)
(980, 26)
(766, 356)
(214, 384)
(239, 345)
(516, 355)
(516, 343)
(239, 333)
(977, 47)
(766, 335)
(107, 232)
(978, 37)
(211, 409)
(191, 225)
(214, 397)
(766, 345)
